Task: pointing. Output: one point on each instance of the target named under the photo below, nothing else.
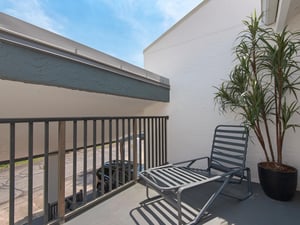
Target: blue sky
(121, 28)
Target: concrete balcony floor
(125, 209)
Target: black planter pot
(278, 185)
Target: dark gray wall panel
(20, 63)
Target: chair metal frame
(228, 156)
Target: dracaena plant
(262, 87)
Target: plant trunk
(278, 98)
(260, 138)
(268, 138)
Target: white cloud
(170, 10)
(174, 10)
(33, 12)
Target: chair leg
(250, 191)
(179, 210)
(210, 201)
(147, 192)
(249, 187)
(149, 198)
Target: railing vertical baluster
(149, 142)
(102, 155)
(84, 160)
(123, 151)
(74, 161)
(140, 144)
(117, 153)
(46, 168)
(30, 171)
(156, 143)
(165, 140)
(94, 158)
(159, 141)
(145, 142)
(152, 142)
(110, 156)
(134, 139)
(129, 148)
(61, 170)
(12, 175)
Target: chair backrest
(229, 147)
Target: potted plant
(262, 90)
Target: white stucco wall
(196, 54)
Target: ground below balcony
(125, 209)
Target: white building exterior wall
(196, 55)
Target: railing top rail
(57, 119)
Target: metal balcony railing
(63, 165)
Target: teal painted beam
(21, 63)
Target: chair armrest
(227, 176)
(192, 161)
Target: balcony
(55, 167)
